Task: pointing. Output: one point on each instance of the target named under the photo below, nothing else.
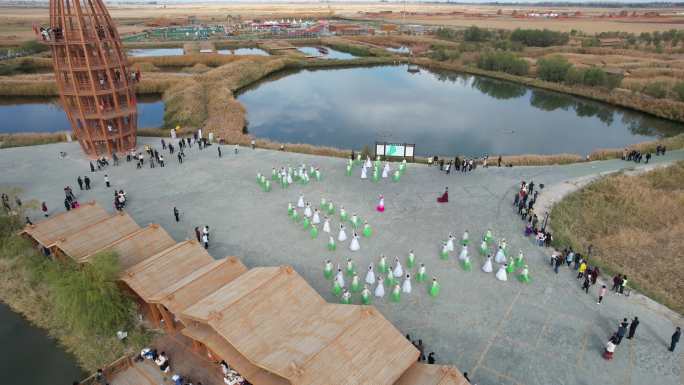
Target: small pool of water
(442, 113)
(30, 356)
(146, 52)
(332, 54)
(402, 50)
(243, 51)
(46, 114)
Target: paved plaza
(545, 333)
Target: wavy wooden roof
(63, 224)
(227, 352)
(154, 274)
(278, 322)
(137, 246)
(425, 374)
(199, 284)
(97, 235)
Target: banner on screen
(397, 150)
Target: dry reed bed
(636, 224)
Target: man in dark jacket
(675, 338)
(632, 328)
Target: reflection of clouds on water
(46, 115)
(443, 113)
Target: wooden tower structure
(95, 83)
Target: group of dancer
(507, 264)
(381, 275)
(286, 176)
(377, 173)
(310, 219)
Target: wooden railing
(110, 370)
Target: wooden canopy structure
(137, 246)
(94, 237)
(267, 322)
(51, 230)
(92, 74)
(272, 317)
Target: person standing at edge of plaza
(176, 214)
(205, 240)
(632, 328)
(198, 234)
(675, 339)
(219, 150)
(622, 329)
(106, 180)
(80, 182)
(601, 293)
(86, 180)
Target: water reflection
(28, 114)
(328, 53)
(243, 51)
(442, 112)
(146, 52)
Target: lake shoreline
(273, 65)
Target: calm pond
(243, 51)
(145, 52)
(332, 54)
(46, 114)
(443, 113)
(30, 356)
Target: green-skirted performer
(336, 288)
(328, 269)
(331, 243)
(306, 223)
(524, 277)
(396, 175)
(355, 221)
(466, 264)
(349, 170)
(295, 216)
(411, 259)
(350, 267)
(263, 179)
(290, 209)
(484, 249)
(465, 239)
(274, 174)
(346, 297)
(420, 277)
(259, 178)
(355, 284)
(283, 182)
(402, 166)
(396, 293)
(504, 246)
(331, 208)
(324, 204)
(365, 295)
(313, 232)
(390, 281)
(488, 237)
(434, 288)
(444, 254)
(343, 214)
(317, 174)
(519, 260)
(382, 265)
(267, 186)
(376, 174)
(510, 268)
(367, 231)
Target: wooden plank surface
(97, 235)
(137, 246)
(63, 224)
(425, 374)
(199, 284)
(163, 269)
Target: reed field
(636, 227)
